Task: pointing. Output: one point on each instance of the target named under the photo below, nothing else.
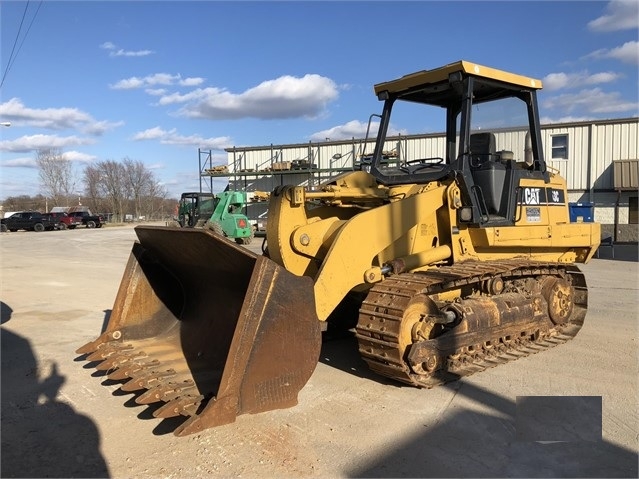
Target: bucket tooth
(162, 392)
(166, 392)
(112, 362)
(93, 345)
(108, 349)
(147, 380)
(117, 360)
(97, 356)
(109, 336)
(131, 386)
(128, 370)
(87, 348)
(153, 395)
(184, 406)
(121, 373)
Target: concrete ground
(60, 420)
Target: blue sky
(155, 81)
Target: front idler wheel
(560, 296)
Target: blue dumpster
(581, 212)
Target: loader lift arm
(343, 268)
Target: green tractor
(220, 213)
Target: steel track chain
(382, 312)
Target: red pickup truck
(63, 220)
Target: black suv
(27, 220)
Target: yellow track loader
(458, 257)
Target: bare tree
(139, 182)
(23, 202)
(56, 175)
(126, 186)
(93, 191)
(154, 203)
(112, 182)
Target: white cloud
(152, 134)
(170, 137)
(626, 53)
(195, 95)
(128, 84)
(98, 128)
(192, 81)
(353, 129)
(556, 81)
(25, 162)
(30, 162)
(155, 91)
(284, 97)
(119, 52)
(79, 157)
(157, 79)
(42, 142)
(129, 53)
(218, 143)
(620, 15)
(53, 118)
(593, 101)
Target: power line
(12, 58)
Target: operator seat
(489, 174)
(482, 148)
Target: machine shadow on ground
(472, 444)
(340, 351)
(468, 443)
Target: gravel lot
(59, 420)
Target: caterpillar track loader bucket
(208, 328)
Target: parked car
(87, 219)
(27, 220)
(63, 220)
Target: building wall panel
(589, 172)
(591, 149)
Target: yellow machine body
(454, 264)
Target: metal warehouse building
(599, 160)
